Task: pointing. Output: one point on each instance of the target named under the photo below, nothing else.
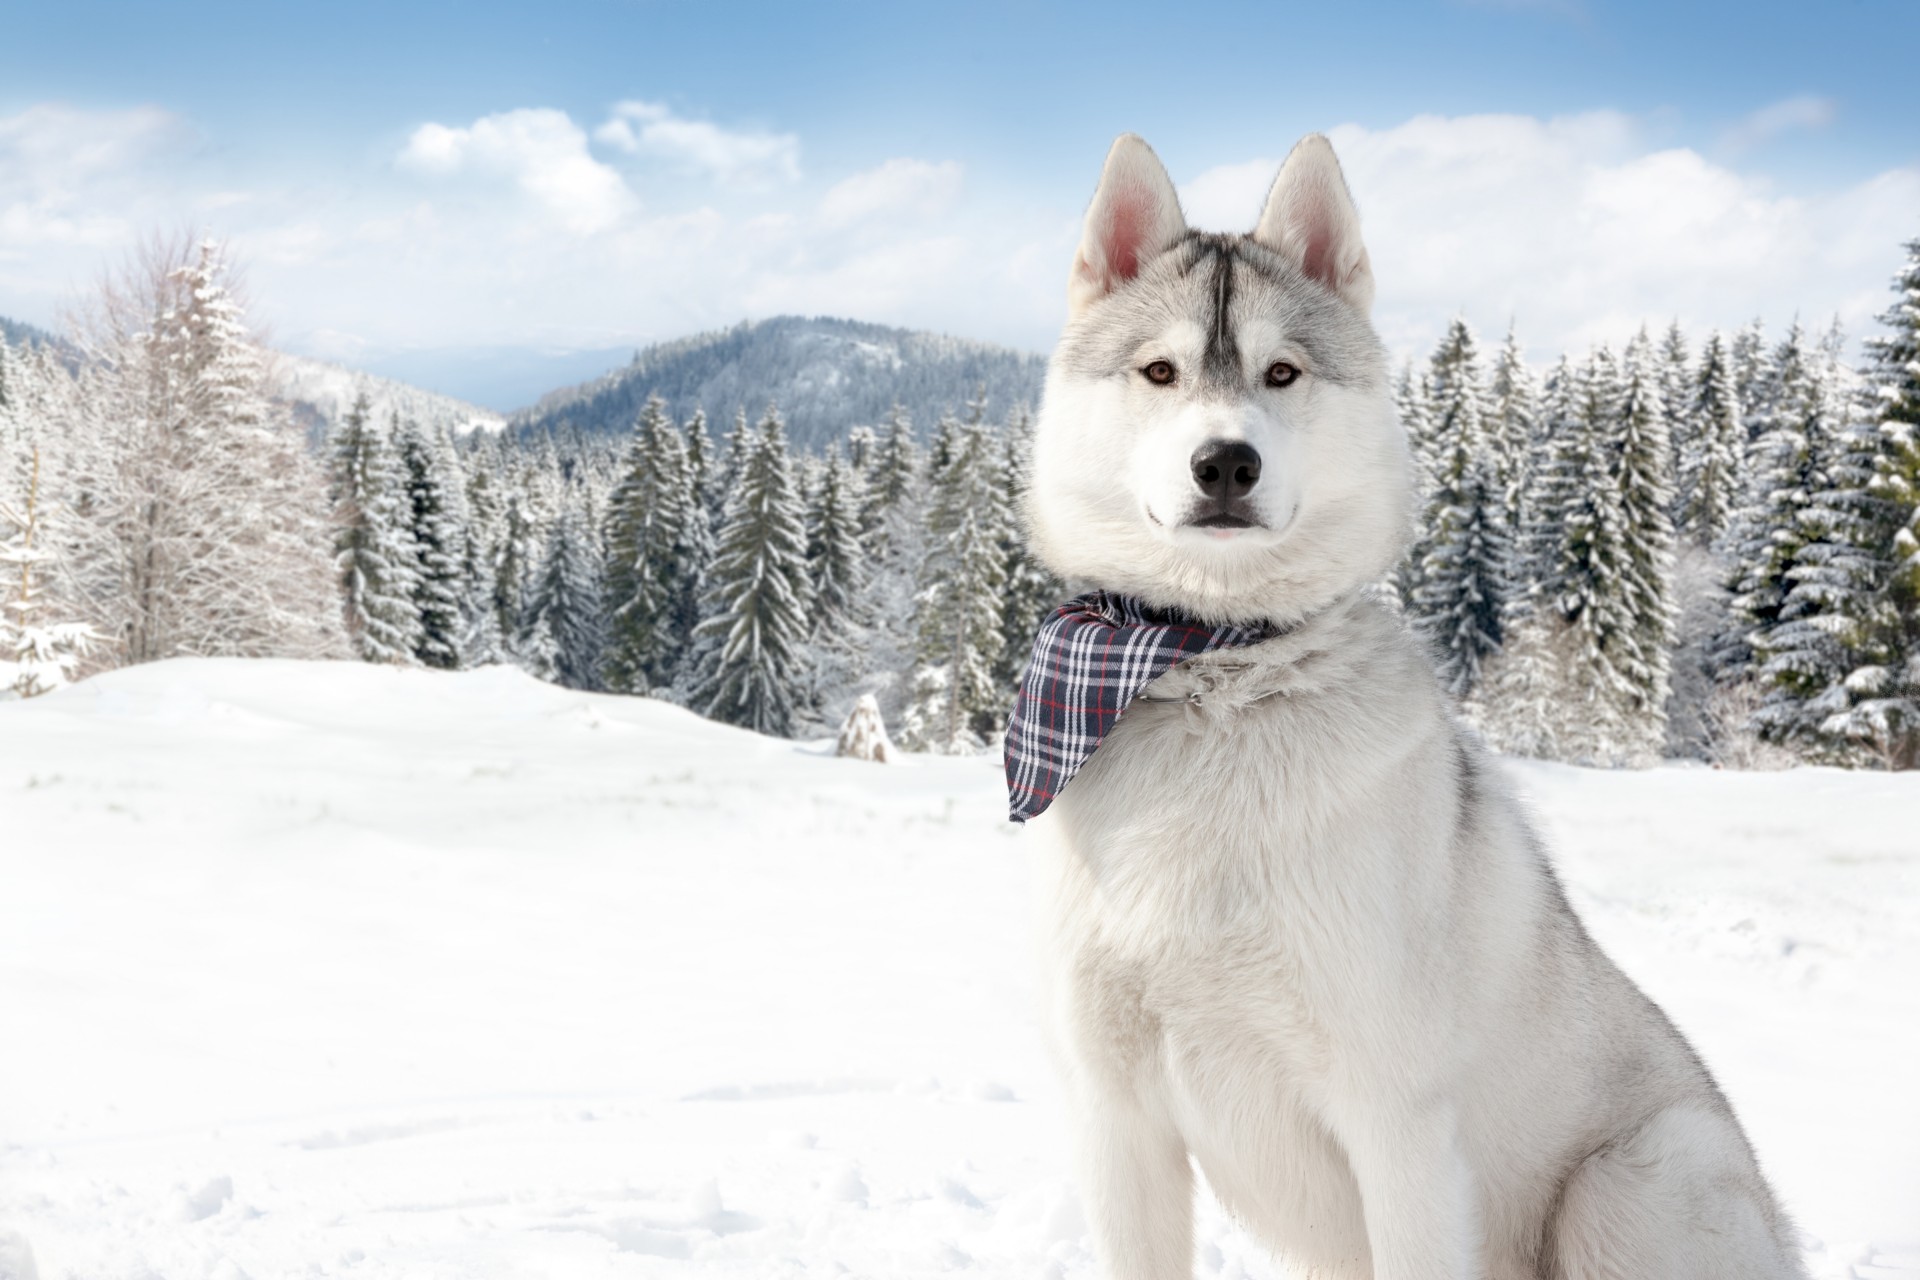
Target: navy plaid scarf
(1092, 658)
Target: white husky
(1297, 929)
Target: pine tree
(1675, 378)
(836, 558)
(480, 639)
(562, 632)
(1866, 573)
(753, 663)
(1466, 574)
(1513, 422)
(1032, 592)
(373, 543)
(1713, 448)
(1786, 467)
(1415, 408)
(439, 541)
(655, 537)
(1753, 386)
(1645, 483)
(957, 694)
(37, 655)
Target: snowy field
(334, 970)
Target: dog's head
(1218, 434)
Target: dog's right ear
(1134, 217)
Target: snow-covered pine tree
(562, 633)
(434, 500)
(1466, 574)
(1415, 407)
(480, 639)
(1877, 702)
(1713, 448)
(1513, 404)
(836, 557)
(205, 525)
(752, 661)
(516, 559)
(1675, 365)
(1032, 592)
(373, 540)
(1753, 385)
(37, 654)
(956, 694)
(862, 444)
(653, 541)
(1786, 466)
(839, 569)
(1642, 470)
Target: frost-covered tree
(957, 695)
(1873, 603)
(481, 640)
(435, 499)
(38, 652)
(1466, 573)
(655, 538)
(1787, 466)
(1643, 475)
(205, 520)
(836, 556)
(752, 662)
(1032, 592)
(1674, 364)
(374, 549)
(1415, 407)
(562, 632)
(1513, 410)
(1712, 449)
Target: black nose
(1226, 469)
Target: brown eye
(1281, 374)
(1159, 373)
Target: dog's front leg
(1417, 1194)
(1139, 1188)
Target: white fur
(1297, 933)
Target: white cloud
(734, 156)
(899, 188)
(1577, 231)
(70, 177)
(1803, 111)
(542, 151)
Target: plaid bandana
(1091, 658)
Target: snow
(333, 969)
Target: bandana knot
(1091, 658)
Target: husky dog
(1298, 932)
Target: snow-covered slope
(329, 969)
(322, 393)
(827, 375)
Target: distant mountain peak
(826, 374)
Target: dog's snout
(1226, 469)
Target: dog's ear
(1135, 216)
(1310, 218)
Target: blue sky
(481, 195)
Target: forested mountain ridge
(827, 375)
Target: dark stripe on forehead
(1221, 363)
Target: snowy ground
(318, 970)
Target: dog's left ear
(1310, 218)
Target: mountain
(321, 394)
(825, 374)
(17, 333)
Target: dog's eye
(1281, 374)
(1159, 373)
